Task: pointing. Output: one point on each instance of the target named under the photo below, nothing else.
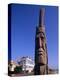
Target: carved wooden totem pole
(41, 56)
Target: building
(27, 64)
(12, 65)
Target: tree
(18, 69)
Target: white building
(26, 63)
(12, 65)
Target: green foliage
(18, 69)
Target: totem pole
(41, 56)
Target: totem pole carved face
(41, 49)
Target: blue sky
(24, 20)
